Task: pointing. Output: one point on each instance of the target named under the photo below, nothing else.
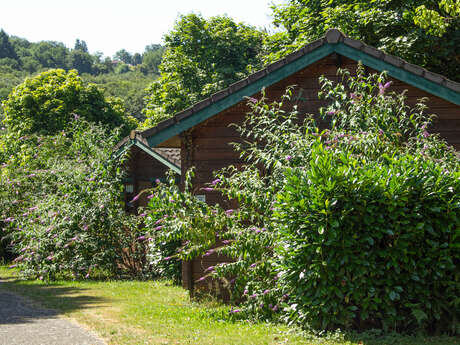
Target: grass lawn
(139, 312)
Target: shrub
(61, 200)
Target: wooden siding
(207, 145)
(142, 170)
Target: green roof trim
(307, 56)
(158, 157)
(134, 142)
(398, 73)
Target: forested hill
(124, 75)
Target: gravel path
(23, 324)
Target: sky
(110, 25)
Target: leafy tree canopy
(81, 45)
(202, 56)
(6, 48)
(46, 103)
(406, 28)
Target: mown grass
(146, 312)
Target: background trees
(202, 56)
(48, 102)
(394, 26)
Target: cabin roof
(165, 133)
(170, 157)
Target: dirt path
(24, 324)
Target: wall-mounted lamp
(129, 188)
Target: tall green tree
(81, 61)
(81, 45)
(48, 102)
(202, 56)
(151, 59)
(395, 26)
(124, 56)
(6, 48)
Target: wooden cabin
(203, 136)
(145, 165)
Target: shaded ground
(23, 323)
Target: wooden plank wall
(207, 145)
(143, 169)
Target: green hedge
(371, 245)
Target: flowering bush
(61, 205)
(356, 226)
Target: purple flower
(141, 238)
(167, 258)
(209, 252)
(9, 220)
(425, 134)
(31, 175)
(266, 292)
(288, 157)
(157, 181)
(143, 214)
(245, 292)
(226, 241)
(382, 88)
(76, 116)
(261, 305)
(253, 265)
(229, 212)
(159, 221)
(50, 257)
(252, 99)
(158, 227)
(135, 198)
(12, 266)
(275, 308)
(85, 227)
(208, 189)
(201, 279)
(254, 295)
(87, 276)
(210, 268)
(331, 112)
(216, 181)
(33, 208)
(235, 311)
